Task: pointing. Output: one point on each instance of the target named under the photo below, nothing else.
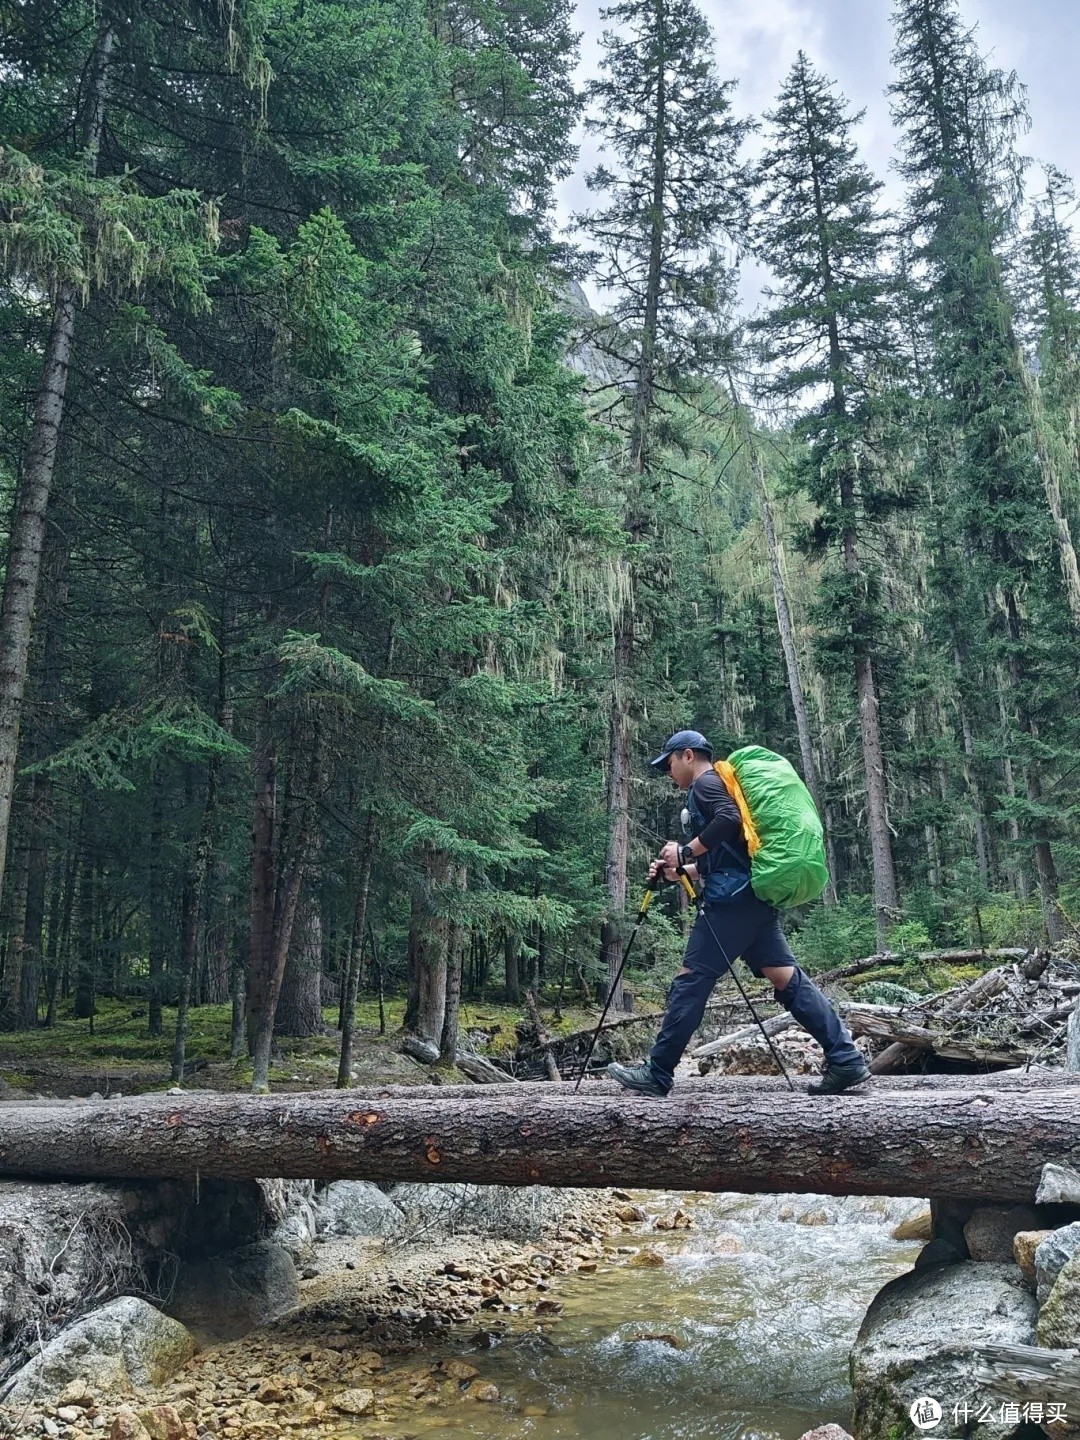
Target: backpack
(780, 823)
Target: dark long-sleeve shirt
(723, 823)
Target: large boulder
(920, 1337)
(1052, 1256)
(1058, 1185)
(126, 1345)
(990, 1230)
(228, 1295)
(356, 1207)
(1059, 1318)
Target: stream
(752, 1310)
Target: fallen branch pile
(1012, 1015)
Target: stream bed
(737, 1328)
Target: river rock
(1055, 1251)
(921, 1335)
(125, 1345)
(77, 1393)
(1025, 1244)
(989, 1232)
(163, 1422)
(1059, 1318)
(229, 1295)
(830, 1432)
(128, 1426)
(356, 1207)
(355, 1402)
(1058, 1185)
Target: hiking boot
(637, 1077)
(839, 1077)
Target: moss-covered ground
(118, 1049)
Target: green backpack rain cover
(789, 868)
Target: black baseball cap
(681, 740)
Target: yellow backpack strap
(727, 774)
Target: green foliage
(909, 937)
(833, 935)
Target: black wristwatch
(686, 856)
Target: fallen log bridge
(976, 1143)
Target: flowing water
(752, 1312)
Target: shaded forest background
(355, 566)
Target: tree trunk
(976, 1142)
(618, 806)
(431, 1011)
(85, 963)
(268, 962)
(27, 535)
(11, 990)
(263, 869)
(886, 892)
(158, 918)
(791, 656)
(351, 984)
(299, 1009)
(189, 948)
(1045, 868)
(448, 1044)
(1017, 869)
(512, 968)
(191, 917)
(982, 844)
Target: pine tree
(827, 331)
(1052, 298)
(674, 200)
(959, 119)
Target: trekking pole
(655, 881)
(750, 1004)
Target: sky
(850, 40)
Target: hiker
(718, 858)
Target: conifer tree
(673, 201)
(959, 119)
(827, 332)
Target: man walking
(718, 858)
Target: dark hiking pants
(749, 928)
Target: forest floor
(117, 1055)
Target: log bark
(978, 1143)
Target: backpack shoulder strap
(726, 771)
